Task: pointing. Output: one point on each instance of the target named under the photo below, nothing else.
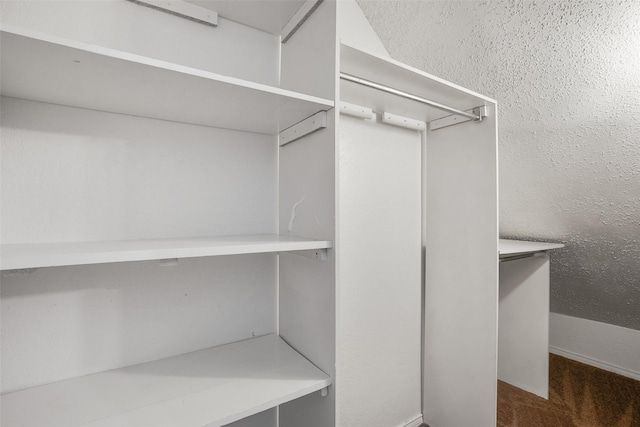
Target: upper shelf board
(397, 75)
(516, 247)
(46, 68)
(211, 387)
(36, 255)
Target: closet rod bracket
(479, 112)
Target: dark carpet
(579, 396)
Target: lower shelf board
(210, 387)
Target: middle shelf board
(211, 387)
(46, 68)
(36, 255)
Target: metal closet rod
(369, 83)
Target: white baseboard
(414, 423)
(609, 347)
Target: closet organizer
(284, 230)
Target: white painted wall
(355, 30)
(565, 76)
(70, 174)
(609, 347)
(64, 322)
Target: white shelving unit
(153, 148)
(211, 387)
(459, 230)
(21, 256)
(42, 67)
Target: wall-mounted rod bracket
(309, 125)
(356, 111)
(403, 122)
(317, 254)
(324, 392)
(454, 119)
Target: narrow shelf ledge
(36, 255)
(508, 248)
(211, 387)
(47, 68)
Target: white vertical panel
(523, 331)
(309, 56)
(307, 286)
(379, 348)
(307, 208)
(461, 289)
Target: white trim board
(609, 347)
(417, 422)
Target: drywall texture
(566, 78)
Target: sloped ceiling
(567, 79)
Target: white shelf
(508, 247)
(35, 255)
(210, 387)
(47, 68)
(391, 73)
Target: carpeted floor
(579, 396)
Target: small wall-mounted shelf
(35, 255)
(211, 387)
(509, 248)
(42, 67)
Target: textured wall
(566, 75)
